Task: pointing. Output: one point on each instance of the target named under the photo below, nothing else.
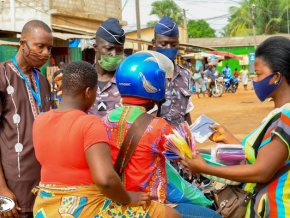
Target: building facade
(63, 16)
(244, 46)
(59, 14)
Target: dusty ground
(240, 112)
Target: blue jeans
(195, 211)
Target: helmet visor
(163, 62)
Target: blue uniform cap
(166, 27)
(111, 31)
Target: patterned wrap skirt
(54, 201)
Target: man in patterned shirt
(109, 47)
(178, 104)
(24, 94)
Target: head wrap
(166, 27)
(111, 31)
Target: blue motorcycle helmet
(143, 75)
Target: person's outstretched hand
(219, 135)
(195, 165)
(223, 135)
(139, 199)
(58, 82)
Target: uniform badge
(102, 106)
(173, 92)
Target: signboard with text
(252, 57)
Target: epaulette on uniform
(188, 70)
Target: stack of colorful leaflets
(180, 143)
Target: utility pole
(254, 24)
(287, 17)
(49, 9)
(185, 27)
(12, 15)
(138, 23)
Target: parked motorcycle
(231, 84)
(215, 89)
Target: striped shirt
(274, 199)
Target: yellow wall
(148, 34)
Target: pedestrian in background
(198, 79)
(227, 72)
(236, 73)
(245, 77)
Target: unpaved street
(240, 112)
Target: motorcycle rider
(210, 75)
(227, 72)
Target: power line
(272, 9)
(192, 16)
(125, 4)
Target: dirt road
(240, 112)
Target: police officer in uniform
(178, 104)
(109, 47)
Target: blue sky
(215, 12)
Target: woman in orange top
(77, 176)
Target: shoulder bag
(233, 200)
(131, 140)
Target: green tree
(152, 23)
(166, 8)
(199, 29)
(270, 18)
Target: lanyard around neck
(36, 96)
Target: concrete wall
(87, 14)
(23, 12)
(92, 9)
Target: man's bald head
(61, 65)
(30, 26)
(35, 43)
